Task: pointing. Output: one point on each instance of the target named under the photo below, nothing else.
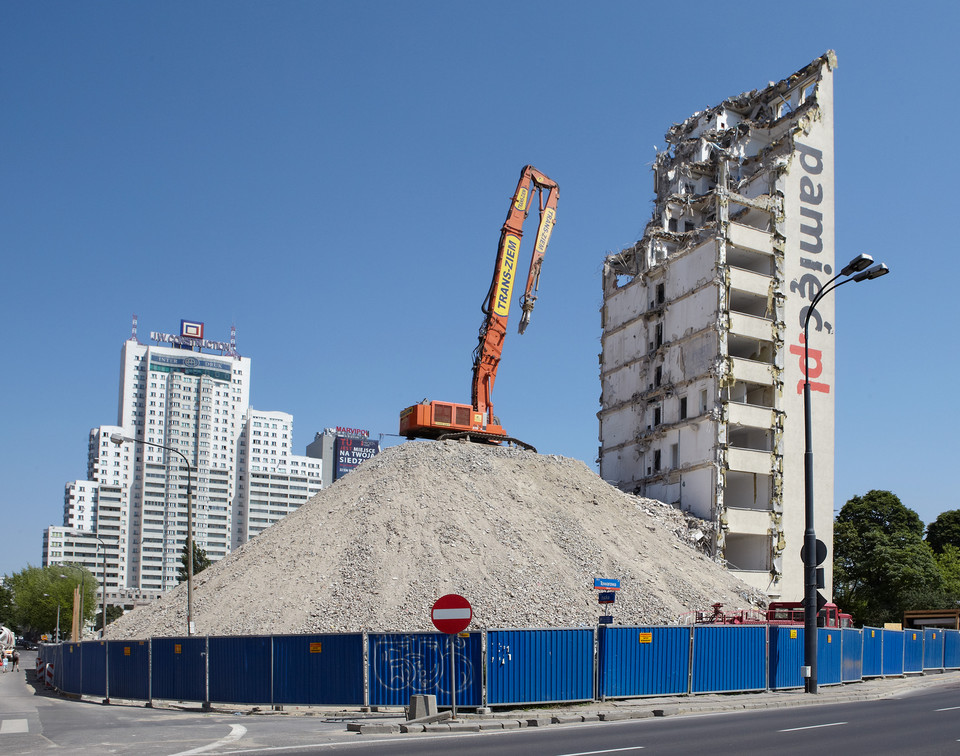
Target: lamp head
(117, 438)
(875, 272)
(857, 264)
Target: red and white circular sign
(451, 613)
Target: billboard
(350, 452)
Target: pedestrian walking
(16, 660)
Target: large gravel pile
(522, 536)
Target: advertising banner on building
(350, 452)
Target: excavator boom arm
(496, 307)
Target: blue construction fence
(487, 668)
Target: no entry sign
(451, 614)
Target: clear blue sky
(331, 178)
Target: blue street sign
(606, 597)
(605, 619)
(606, 584)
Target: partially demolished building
(702, 349)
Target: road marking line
(608, 750)
(10, 726)
(949, 708)
(813, 727)
(236, 732)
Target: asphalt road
(923, 720)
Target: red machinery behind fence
(778, 613)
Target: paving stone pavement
(663, 706)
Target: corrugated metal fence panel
(644, 661)
(913, 650)
(94, 662)
(893, 652)
(128, 669)
(179, 669)
(728, 658)
(406, 664)
(539, 666)
(829, 656)
(951, 649)
(872, 652)
(241, 669)
(318, 669)
(786, 657)
(68, 673)
(851, 640)
(933, 648)
(58, 666)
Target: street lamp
(119, 438)
(57, 631)
(103, 590)
(858, 269)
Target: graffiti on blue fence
(419, 664)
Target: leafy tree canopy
(200, 562)
(38, 592)
(882, 565)
(944, 531)
(113, 612)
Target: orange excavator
(476, 422)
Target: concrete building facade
(273, 481)
(702, 349)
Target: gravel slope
(522, 536)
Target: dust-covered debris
(522, 536)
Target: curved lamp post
(119, 438)
(858, 269)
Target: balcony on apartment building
(750, 449)
(748, 556)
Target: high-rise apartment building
(273, 481)
(702, 349)
(188, 428)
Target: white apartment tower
(182, 399)
(273, 481)
(702, 349)
(194, 402)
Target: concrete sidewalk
(663, 706)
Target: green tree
(6, 605)
(200, 562)
(882, 565)
(113, 612)
(949, 563)
(42, 595)
(944, 531)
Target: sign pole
(451, 614)
(453, 675)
